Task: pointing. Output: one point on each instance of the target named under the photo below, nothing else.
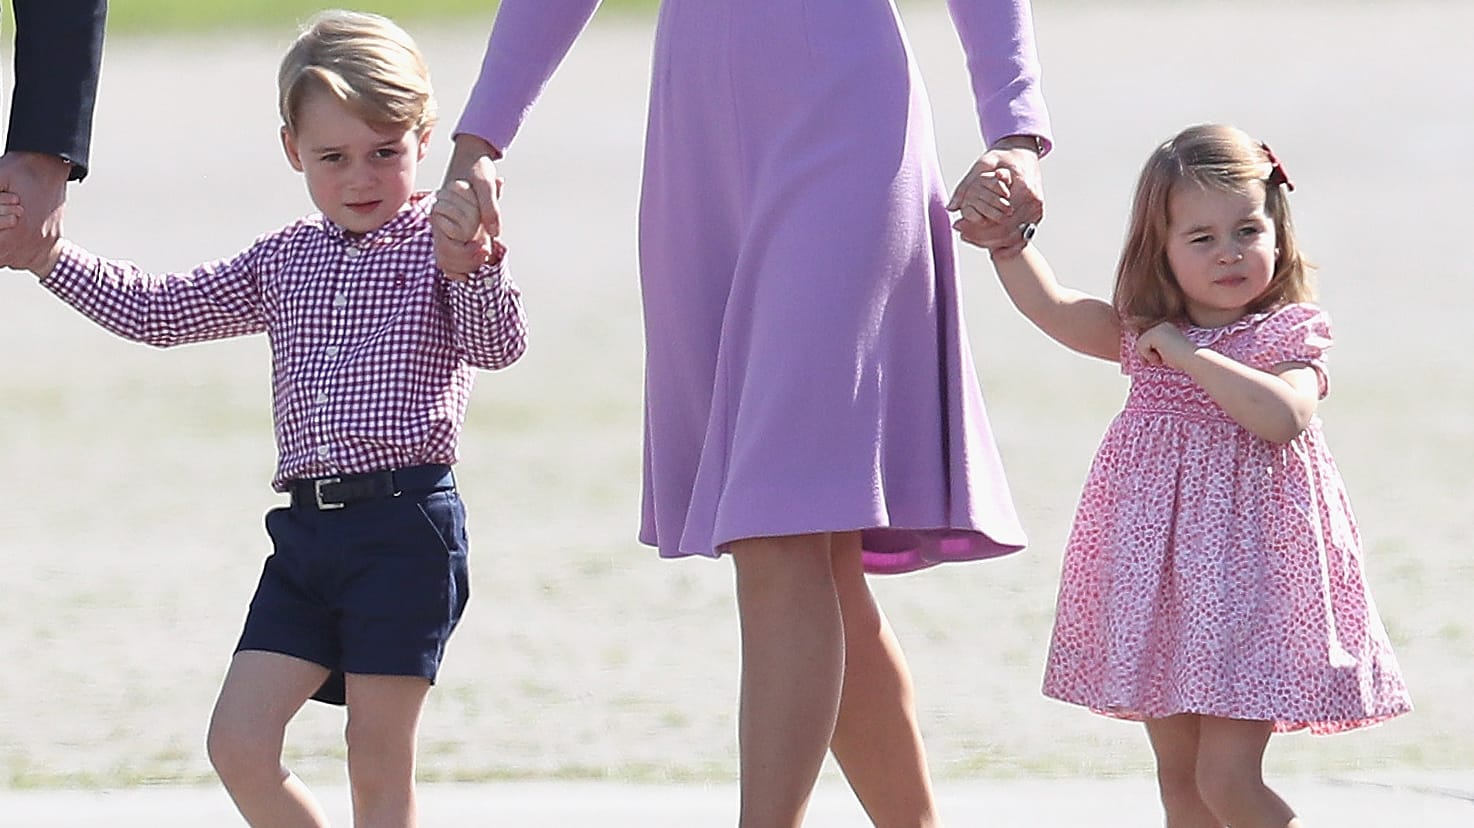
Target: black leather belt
(326, 493)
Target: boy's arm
(487, 320)
(214, 301)
(1077, 320)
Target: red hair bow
(1276, 169)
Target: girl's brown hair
(1217, 157)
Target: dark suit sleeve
(58, 54)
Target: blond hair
(366, 62)
(1215, 157)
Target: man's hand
(39, 181)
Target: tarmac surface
(552, 669)
(1433, 800)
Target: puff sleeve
(1295, 333)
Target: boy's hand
(43, 259)
(474, 162)
(40, 181)
(463, 244)
(10, 210)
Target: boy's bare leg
(792, 667)
(383, 723)
(877, 740)
(261, 693)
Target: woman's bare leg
(792, 668)
(877, 740)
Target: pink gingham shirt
(372, 347)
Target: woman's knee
(782, 562)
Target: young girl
(1213, 584)
(373, 351)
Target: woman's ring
(1027, 230)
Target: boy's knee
(376, 759)
(238, 752)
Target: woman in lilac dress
(811, 405)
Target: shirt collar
(411, 216)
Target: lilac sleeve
(529, 39)
(998, 39)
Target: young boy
(373, 351)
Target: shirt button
(322, 451)
(351, 252)
(321, 398)
(340, 300)
(332, 352)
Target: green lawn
(168, 16)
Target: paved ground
(1428, 801)
(583, 655)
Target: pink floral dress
(1210, 571)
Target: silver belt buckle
(317, 492)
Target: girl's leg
(877, 740)
(1231, 777)
(1175, 742)
(792, 668)
(383, 720)
(261, 693)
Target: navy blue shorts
(375, 587)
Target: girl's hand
(463, 244)
(1165, 344)
(983, 195)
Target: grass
(188, 16)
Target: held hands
(1001, 195)
(462, 243)
(470, 182)
(10, 210)
(33, 186)
(1164, 344)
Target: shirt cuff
(485, 282)
(73, 267)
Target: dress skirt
(807, 366)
